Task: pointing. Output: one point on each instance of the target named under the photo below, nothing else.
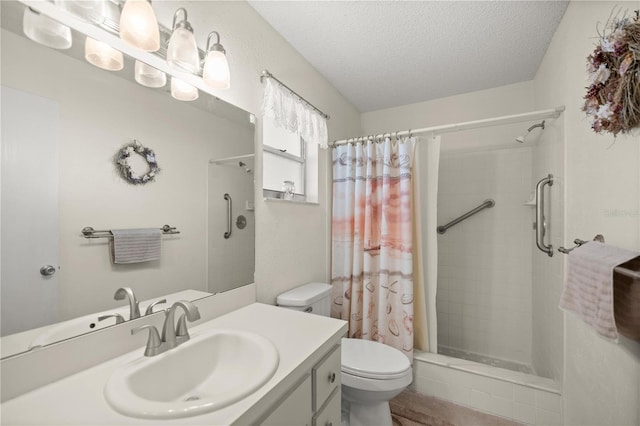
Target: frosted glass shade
(45, 30)
(102, 55)
(183, 91)
(139, 26)
(149, 76)
(182, 52)
(216, 70)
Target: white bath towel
(135, 245)
(588, 290)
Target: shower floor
(484, 359)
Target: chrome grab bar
(541, 224)
(487, 204)
(229, 201)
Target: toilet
(372, 373)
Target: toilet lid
(373, 360)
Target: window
(287, 157)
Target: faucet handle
(182, 333)
(119, 318)
(149, 309)
(154, 344)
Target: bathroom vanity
(303, 389)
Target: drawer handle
(332, 377)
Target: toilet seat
(373, 360)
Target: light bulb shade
(182, 52)
(139, 26)
(102, 55)
(92, 10)
(149, 76)
(46, 31)
(216, 70)
(183, 91)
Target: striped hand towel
(135, 245)
(588, 290)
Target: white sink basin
(209, 372)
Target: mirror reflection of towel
(135, 245)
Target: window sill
(281, 200)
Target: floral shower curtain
(372, 267)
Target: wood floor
(412, 409)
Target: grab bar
(487, 204)
(229, 201)
(541, 224)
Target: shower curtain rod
(468, 125)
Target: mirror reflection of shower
(231, 221)
(521, 138)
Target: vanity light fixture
(182, 52)
(183, 91)
(44, 30)
(216, 68)
(139, 26)
(102, 55)
(149, 76)
(93, 10)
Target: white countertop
(300, 338)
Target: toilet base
(354, 414)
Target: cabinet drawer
(326, 377)
(330, 414)
(295, 409)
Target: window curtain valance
(289, 112)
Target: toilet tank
(313, 297)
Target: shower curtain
(372, 251)
(426, 166)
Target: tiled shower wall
(485, 263)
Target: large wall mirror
(63, 122)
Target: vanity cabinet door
(330, 413)
(326, 377)
(295, 409)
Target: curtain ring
(410, 133)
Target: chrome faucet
(134, 306)
(172, 336)
(169, 334)
(149, 309)
(119, 318)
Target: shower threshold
(484, 359)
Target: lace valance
(293, 114)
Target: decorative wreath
(125, 170)
(612, 101)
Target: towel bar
(626, 293)
(89, 232)
(599, 238)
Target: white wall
(97, 117)
(289, 250)
(505, 100)
(601, 379)
(484, 263)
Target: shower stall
(498, 281)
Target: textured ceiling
(381, 54)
